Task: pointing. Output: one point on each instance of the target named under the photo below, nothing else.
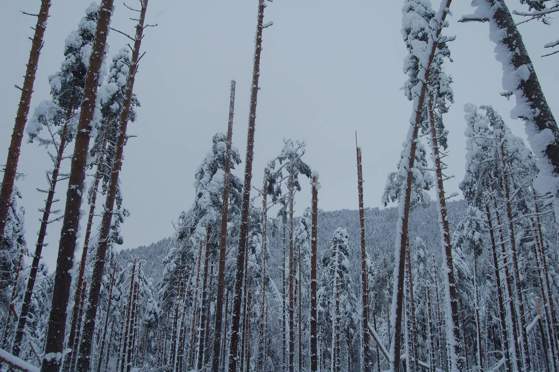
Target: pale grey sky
(329, 68)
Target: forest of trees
(246, 284)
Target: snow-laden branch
(14, 362)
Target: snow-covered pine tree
(10, 169)
(53, 126)
(106, 224)
(57, 318)
(338, 310)
(112, 95)
(520, 79)
(13, 249)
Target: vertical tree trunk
(412, 358)
(264, 278)
(336, 317)
(291, 278)
(80, 303)
(126, 325)
(366, 356)
(505, 181)
(22, 320)
(546, 275)
(453, 330)
(430, 333)
(479, 354)
(500, 296)
(194, 318)
(70, 224)
(314, 258)
(223, 235)
(202, 329)
(93, 298)
(300, 309)
(133, 330)
(517, 352)
(10, 169)
(107, 315)
(225, 324)
(243, 233)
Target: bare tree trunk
(479, 354)
(455, 348)
(10, 170)
(224, 341)
(337, 316)
(243, 233)
(194, 319)
(264, 278)
(419, 106)
(203, 305)
(509, 286)
(550, 304)
(505, 179)
(430, 333)
(80, 304)
(223, 235)
(126, 331)
(107, 315)
(133, 329)
(22, 320)
(89, 323)
(291, 278)
(300, 310)
(412, 358)
(61, 292)
(500, 296)
(314, 254)
(367, 363)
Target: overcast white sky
(329, 68)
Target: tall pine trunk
(25, 307)
(291, 277)
(98, 269)
(516, 352)
(451, 291)
(61, 292)
(500, 296)
(247, 185)
(405, 204)
(10, 169)
(264, 278)
(205, 299)
(223, 235)
(413, 357)
(314, 259)
(367, 363)
(517, 295)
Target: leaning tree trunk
(25, 307)
(223, 235)
(10, 169)
(367, 363)
(405, 204)
(451, 291)
(314, 258)
(243, 233)
(95, 288)
(524, 84)
(57, 318)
